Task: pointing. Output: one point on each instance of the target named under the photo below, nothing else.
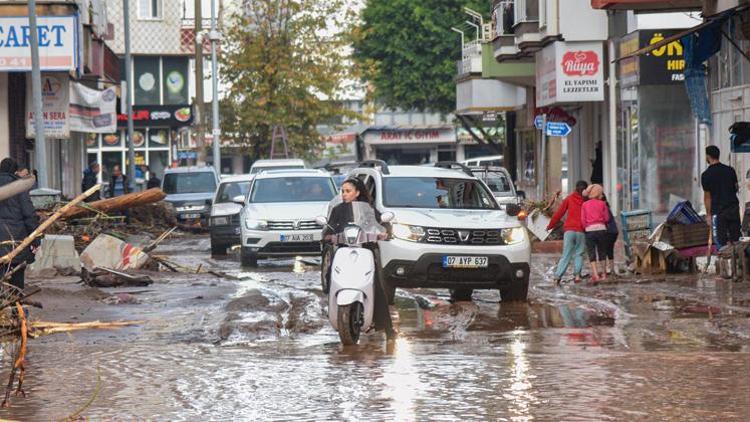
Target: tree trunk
(118, 203)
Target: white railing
(503, 18)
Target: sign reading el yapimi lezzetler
(569, 72)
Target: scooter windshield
(359, 215)
(364, 216)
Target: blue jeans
(574, 244)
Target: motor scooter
(351, 296)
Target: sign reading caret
(570, 72)
(58, 43)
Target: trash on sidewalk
(537, 223)
(104, 277)
(56, 255)
(107, 251)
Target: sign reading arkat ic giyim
(58, 43)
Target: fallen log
(104, 277)
(49, 327)
(45, 225)
(16, 187)
(117, 203)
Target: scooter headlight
(407, 232)
(351, 234)
(514, 235)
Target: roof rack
(376, 163)
(453, 165)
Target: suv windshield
(293, 189)
(258, 169)
(498, 182)
(199, 182)
(230, 190)
(435, 192)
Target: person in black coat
(18, 219)
(90, 180)
(153, 181)
(353, 190)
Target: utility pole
(128, 93)
(200, 130)
(40, 145)
(216, 132)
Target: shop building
(74, 58)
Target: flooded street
(257, 346)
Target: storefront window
(158, 138)
(157, 162)
(471, 151)
(109, 160)
(147, 80)
(404, 156)
(446, 153)
(175, 70)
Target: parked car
(278, 217)
(190, 190)
(277, 164)
(489, 160)
(448, 232)
(225, 212)
(500, 183)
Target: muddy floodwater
(257, 346)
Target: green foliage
(407, 50)
(285, 61)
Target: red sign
(409, 135)
(580, 63)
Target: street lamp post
(216, 132)
(40, 146)
(128, 99)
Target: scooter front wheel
(350, 320)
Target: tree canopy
(284, 61)
(407, 51)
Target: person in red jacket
(574, 240)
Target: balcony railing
(471, 58)
(503, 17)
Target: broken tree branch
(117, 203)
(45, 225)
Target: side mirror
(521, 195)
(322, 221)
(239, 199)
(387, 217)
(512, 209)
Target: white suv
(278, 216)
(448, 231)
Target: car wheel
(516, 292)
(247, 258)
(218, 249)
(461, 295)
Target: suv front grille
(464, 237)
(294, 225)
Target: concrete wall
(578, 21)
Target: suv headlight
(407, 232)
(252, 224)
(220, 221)
(514, 235)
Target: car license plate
(191, 216)
(465, 262)
(297, 237)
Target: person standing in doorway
(90, 179)
(574, 240)
(118, 185)
(720, 188)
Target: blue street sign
(561, 129)
(538, 122)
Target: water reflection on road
(559, 357)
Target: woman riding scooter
(353, 190)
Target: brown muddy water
(260, 348)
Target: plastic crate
(684, 213)
(636, 220)
(682, 236)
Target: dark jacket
(17, 220)
(88, 182)
(125, 184)
(153, 182)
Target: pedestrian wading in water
(595, 216)
(574, 240)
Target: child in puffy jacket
(595, 216)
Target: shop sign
(410, 136)
(55, 104)
(91, 110)
(570, 72)
(662, 66)
(166, 116)
(58, 43)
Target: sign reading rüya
(570, 72)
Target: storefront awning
(172, 116)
